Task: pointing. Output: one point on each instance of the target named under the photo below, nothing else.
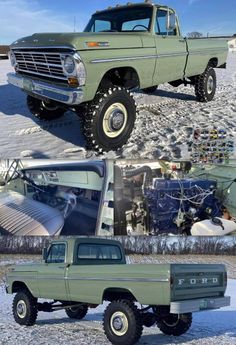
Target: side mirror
(171, 21)
(45, 254)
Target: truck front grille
(40, 63)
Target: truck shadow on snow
(13, 101)
(216, 324)
(67, 128)
(173, 95)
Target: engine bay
(157, 201)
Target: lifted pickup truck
(79, 273)
(137, 46)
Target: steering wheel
(142, 26)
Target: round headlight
(69, 64)
(12, 58)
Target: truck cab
(82, 273)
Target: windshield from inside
(121, 20)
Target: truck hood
(78, 41)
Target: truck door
(51, 278)
(171, 49)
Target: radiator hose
(146, 170)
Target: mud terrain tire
(78, 312)
(175, 324)
(44, 111)
(25, 309)
(109, 120)
(205, 85)
(122, 323)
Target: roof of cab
(95, 240)
(128, 5)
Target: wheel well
(112, 294)
(18, 286)
(123, 76)
(213, 62)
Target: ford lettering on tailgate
(195, 281)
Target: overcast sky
(19, 18)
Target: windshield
(121, 20)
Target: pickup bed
(137, 46)
(81, 273)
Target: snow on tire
(205, 85)
(110, 119)
(24, 308)
(122, 323)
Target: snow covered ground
(163, 126)
(208, 327)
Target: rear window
(98, 252)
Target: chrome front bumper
(201, 304)
(45, 90)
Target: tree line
(134, 245)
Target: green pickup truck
(136, 46)
(82, 273)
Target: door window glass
(160, 27)
(57, 253)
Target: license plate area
(203, 304)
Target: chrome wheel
(119, 324)
(115, 120)
(210, 85)
(21, 309)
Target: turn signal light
(92, 44)
(72, 81)
(97, 44)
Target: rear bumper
(45, 90)
(201, 304)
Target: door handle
(182, 40)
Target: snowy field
(163, 126)
(212, 327)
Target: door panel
(51, 276)
(171, 50)
(51, 281)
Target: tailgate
(197, 281)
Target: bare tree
(195, 34)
